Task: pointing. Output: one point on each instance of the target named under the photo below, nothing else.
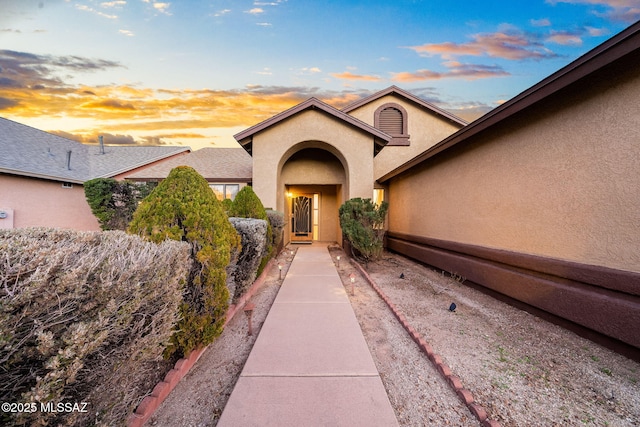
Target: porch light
(289, 194)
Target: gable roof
(625, 46)
(31, 152)
(394, 90)
(245, 138)
(215, 164)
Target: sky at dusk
(195, 72)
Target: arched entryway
(313, 178)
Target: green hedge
(184, 208)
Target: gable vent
(391, 121)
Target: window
(391, 119)
(225, 191)
(378, 196)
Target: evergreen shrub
(113, 202)
(184, 208)
(362, 223)
(247, 205)
(253, 233)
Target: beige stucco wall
(425, 130)
(273, 147)
(561, 181)
(42, 203)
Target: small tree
(362, 222)
(113, 202)
(183, 207)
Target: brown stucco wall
(560, 180)
(42, 203)
(273, 147)
(425, 129)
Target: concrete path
(310, 365)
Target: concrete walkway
(310, 365)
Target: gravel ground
(524, 371)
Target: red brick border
(150, 403)
(454, 382)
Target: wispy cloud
(544, 22)
(347, 75)
(222, 12)
(509, 44)
(571, 38)
(117, 3)
(255, 11)
(86, 8)
(126, 33)
(158, 6)
(456, 70)
(616, 10)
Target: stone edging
(150, 403)
(454, 382)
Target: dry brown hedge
(84, 317)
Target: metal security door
(301, 220)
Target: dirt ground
(523, 370)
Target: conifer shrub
(247, 205)
(184, 208)
(84, 317)
(362, 223)
(253, 233)
(113, 202)
(276, 220)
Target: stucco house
(537, 202)
(41, 175)
(310, 159)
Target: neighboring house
(41, 175)
(538, 201)
(226, 169)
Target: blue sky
(194, 72)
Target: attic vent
(391, 121)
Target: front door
(301, 218)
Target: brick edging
(454, 382)
(150, 403)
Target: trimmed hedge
(184, 208)
(84, 317)
(247, 205)
(254, 241)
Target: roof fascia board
(408, 95)
(604, 54)
(311, 103)
(39, 176)
(144, 163)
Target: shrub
(254, 241)
(247, 205)
(113, 202)
(84, 317)
(183, 207)
(362, 223)
(276, 220)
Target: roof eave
(601, 56)
(28, 174)
(396, 90)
